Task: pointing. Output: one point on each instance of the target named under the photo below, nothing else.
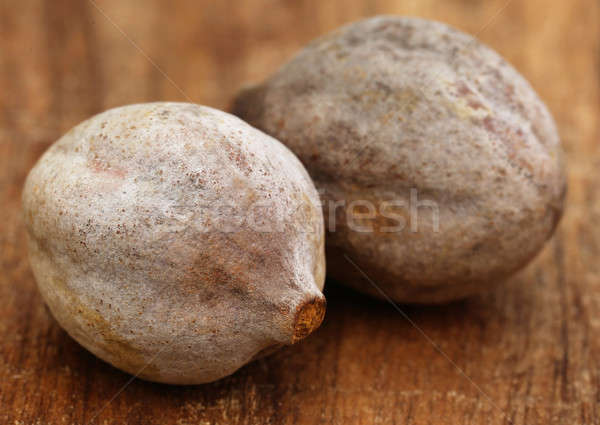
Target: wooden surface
(530, 351)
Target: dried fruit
(175, 241)
(439, 163)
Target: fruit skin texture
(388, 105)
(130, 260)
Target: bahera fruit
(175, 241)
(440, 168)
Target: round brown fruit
(175, 241)
(440, 168)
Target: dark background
(530, 349)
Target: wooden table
(529, 352)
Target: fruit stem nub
(309, 316)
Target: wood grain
(530, 350)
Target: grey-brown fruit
(455, 162)
(175, 241)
